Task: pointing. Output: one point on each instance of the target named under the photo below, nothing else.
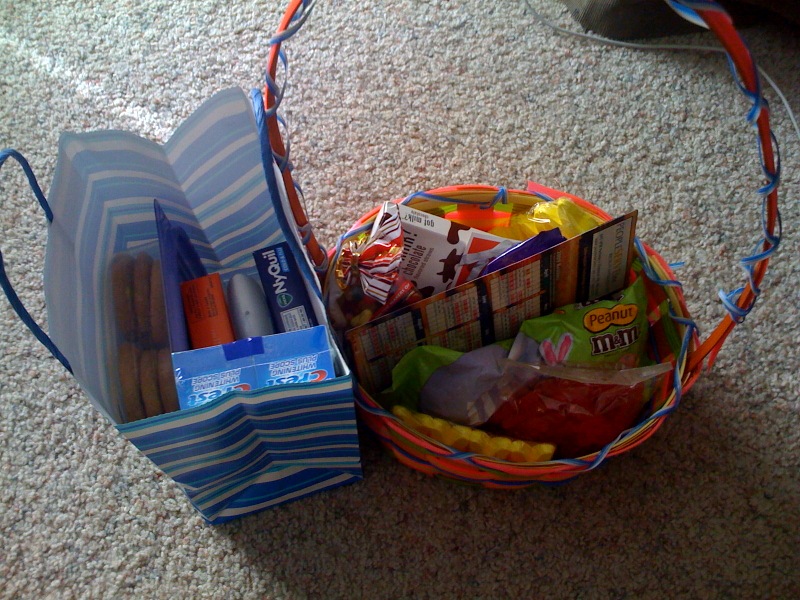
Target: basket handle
(708, 12)
(5, 283)
(291, 22)
(721, 24)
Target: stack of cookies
(145, 363)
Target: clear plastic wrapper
(612, 331)
(447, 383)
(464, 391)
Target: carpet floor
(387, 98)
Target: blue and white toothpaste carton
(205, 374)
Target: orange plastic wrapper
(578, 417)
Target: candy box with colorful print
(205, 374)
(439, 254)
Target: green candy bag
(611, 332)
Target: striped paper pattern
(242, 452)
(253, 450)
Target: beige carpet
(386, 98)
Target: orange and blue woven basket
(432, 457)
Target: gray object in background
(628, 19)
(636, 19)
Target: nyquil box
(287, 297)
(204, 374)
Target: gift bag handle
(5, 284)
(703, 12)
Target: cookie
(166, 381)
(122, 295)
(148, 383)
(142, 266)
(158, 310)
(129, 382)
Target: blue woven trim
(691, 326)
(5, 283)
(648, 268)
(274, 88)
(543, 196)
(305, 233)
(283, 161)
(501, 196)
(297, 22)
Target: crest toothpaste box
(287, 297)
(205, 374)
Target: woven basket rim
(393, 432)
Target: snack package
(143, 364)
(578, 410)
(365, 278)
(565, 214)
(457, 386)
(439, 254)
(467, 439)
(530, 247)
(606, 332)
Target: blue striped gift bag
(252, 450)
(216, 178)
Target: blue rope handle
(5, 283)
